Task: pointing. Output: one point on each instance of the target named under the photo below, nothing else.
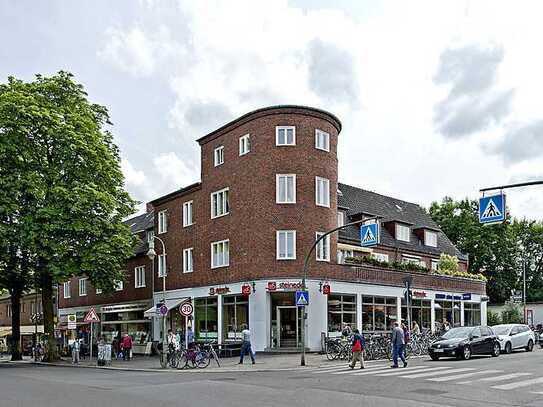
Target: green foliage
(493, 318)
(512, 314)
(447, 263)
(394, 265)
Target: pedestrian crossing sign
(492, 209)
(369, 234)
(302, 298)
(91, 316)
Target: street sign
(302, 298)
(186, 309)
(72, 321)
(91, 316)
(492, 209)
(163, 310)
(369, 234)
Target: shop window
(341, 312)
(421, 311)
(235, 313)
(472, 314)
(205, 319)
(444, 312)
(378, 313)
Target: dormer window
(430, 238)
(403, 232)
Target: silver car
(514, 336)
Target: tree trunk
(15, 341)
(48, 301)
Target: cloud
(207, 115)
(132, 177)
(522, 142)
(173, 171)
(474, 103)
(332, 73)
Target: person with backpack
(359, 343)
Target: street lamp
(152, 254)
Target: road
(509, 380)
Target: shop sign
(219, 290)
(246, 290)
(326, 289)
(420, 294)
(466, 296)
(289, 285)
(448, 297)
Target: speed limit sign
(186, 309)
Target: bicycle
(210, 354)
(193, 358)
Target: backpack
(357, 347)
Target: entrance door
(287, 322)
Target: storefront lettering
(219, 290)
(326, 289)
(289, 285)
(419, 294)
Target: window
(220, 254)
(323, 248)
(219, 203)
(82, 287)
(435, 264)
(413, 259)
(32, 307)
(150, 235)
(235, 313)
(342, 254)
(118, 285)
(244, 145)
(218, 155)
(162, 222)
(286, 244)
(322, 140)
(430, 238)
(206, 319)
(187, 213)
(139, 277)
(98, 291)
(380, 256)
(403, 232)
(341, 312)
(322, 192)
(420, 311)
(472, 314)
(378, 313)
(285, 136)
(67, 289)
(162, 265)
(285, 188)
(340, 219)
(187, 260)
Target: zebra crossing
(495, 379)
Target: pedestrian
(416, 328)
(76, 347)
(359, 343)
(126, 343)
(398, 345)
(446, 325)
(346, 331)
(246, 344)
(190, 338)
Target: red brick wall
(26, 310)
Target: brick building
(235, 242)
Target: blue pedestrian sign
(302, 298)
(492, 209)
(369, 234)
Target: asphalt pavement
(509, 380)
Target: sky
(437, 98)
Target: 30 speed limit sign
(186, 309)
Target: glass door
(288, 327)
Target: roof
(265, 111)
(360, 201)
(138, 224)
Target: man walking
(246, 344)
(127, 346)
(398, 344)
(359, 343)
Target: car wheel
(466, 352)
(508, 348)
(434, 357)
(496, 350)
(530, 346)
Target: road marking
(463, 375)
(365, 373)
(516, 385)
(331, 369)
(402, 371)
(416, 376)
(497, 378)
(367, 369)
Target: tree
(62, 149)
(512, 314)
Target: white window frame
(322, 140)
(218, 156)
(139, 277)
(244, 145)
(285, 128)
(188, 260)
(98, 291)
(67, 289)
(322, 250)
(400, 227)
(427, 241)
(278, 248)
(150, 235)
(380, 256)
(326, 182)
(278, 178)
(83, 287)
(409, 258)
(434, 264)
(188, 213)
(342, 254)
(225, 208)
(162, 265)
(340, 218)
(119, 285)
(226, 258)
(162, 221)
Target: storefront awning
(25, 330)
(170, 304)
(5, 331)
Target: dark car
(465, 341)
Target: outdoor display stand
(104, 355)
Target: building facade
(235, 242)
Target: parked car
(463, 342)
(514, 336)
